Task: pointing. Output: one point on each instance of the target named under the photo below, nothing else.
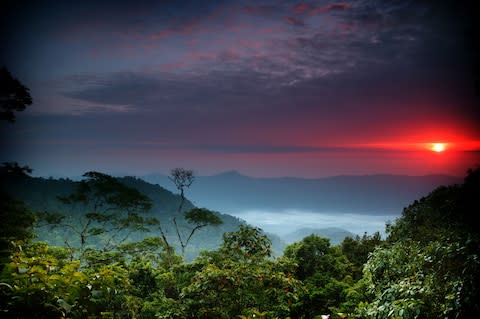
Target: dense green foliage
(430, 266)
(220, 284)
(427, 267)
(325, 272)
(358, 249)
(16, 219)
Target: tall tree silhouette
(14, 96)
(197, 217)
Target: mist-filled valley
(284, 223)
(355, 204)
(336, 206)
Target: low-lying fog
(285, 222)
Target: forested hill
(41, 194)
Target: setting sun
(438, 147)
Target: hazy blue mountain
(232, 192)
(336, 235)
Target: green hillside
(41, 195)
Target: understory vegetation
(111, 259)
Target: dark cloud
(301, 7)
(259, 10)
(170, 92)
(331, 7)
(294, 21)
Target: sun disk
(438, 147)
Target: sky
(266, 88)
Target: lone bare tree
(182, 178)
(198, 217)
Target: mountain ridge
(382, 194)
(234, 172)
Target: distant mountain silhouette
(231, 192)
